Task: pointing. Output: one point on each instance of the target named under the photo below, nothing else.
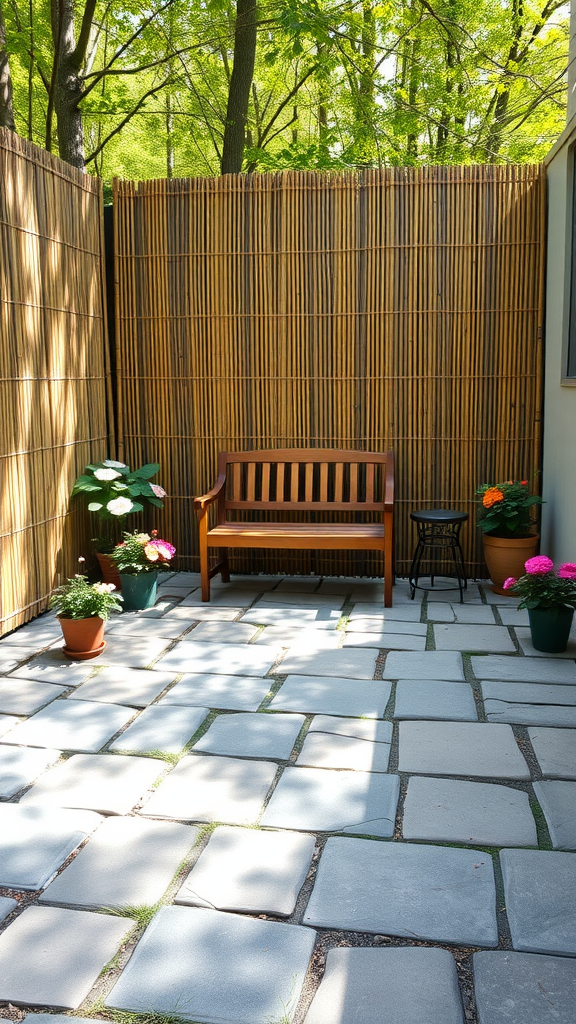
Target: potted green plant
(83, 608)
(550, 598)
(112, 491)
(139, 559)
(507, 522)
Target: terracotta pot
(84, 637)
(109, 571)
(505, 556)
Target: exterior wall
(559, 459)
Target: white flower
(106, 474)
(119, 506)
(114, 465)
(104, 588)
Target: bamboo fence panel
(54, 374)
(385, 309)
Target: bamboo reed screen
(53, 369)
(393, 309)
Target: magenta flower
(567, 571)
(508, 583)
(165, 551)
(539, 565)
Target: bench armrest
(389, 484)
(202, 503)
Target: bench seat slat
(360, 536)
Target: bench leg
(204, 564)
(225, 570)
(388, 559)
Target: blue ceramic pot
(139, 591)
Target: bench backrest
(309, 479)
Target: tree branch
(125, 120)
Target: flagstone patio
(290, 805)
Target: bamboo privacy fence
(54, 374)
(398, 308)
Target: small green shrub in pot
(505, 509)
(79, 599)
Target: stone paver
(134, 687)
(201, 613)
(52, 957)
(524, 988)
(558, 801)
(35, 842)
(555, 751)
(529, 703)
(226, 659)
(312, 695)
(385, 626)
(524, 670)
(513, 617)
(541, 912)
(273, 598)
(109, 783)
(216, 968)
(165, 728)
(10, 656)
(210, 788)
(132, 624)
(419, 892)
(252, 735)
(223, 692)
(377, 612)
(335, 746)
(391, 986)
(446, 810)
(356, 664)
(232, 599)
(140, 654)
(460, 748)
(434, 699)
(320, 800)
(25, 696)
(59, 1018)
(7, 723)
(267, 615)
(54, 667)
(128, 862)
(250, 871)
(7, 905)
(473, 613)
(426, 665)
(71, 725)
(19, 766)
(473, 638)
(294, 636)
(224, 632)
(388, 641)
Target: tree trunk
(6, 106)
(240, 85)
(66, 86)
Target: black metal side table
(438, 528)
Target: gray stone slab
(133, 624)
(321, 800)
(558, 801)
(285, 599)
(473, 638)
(387, 641)
(215, 968)
(202, 613)
(52, 957)
(224, 632)
(333, 750)
(361, 728)
(128, 862)
(222, 659)
(385, 626)
(40, 633)
(555, 751)
(71, 725)
(215, 691)
(19, 766)
(400, 613)
(54, 667)
(303, 586)
(513, 616)
(537, 884)
(59, 1018)
(25, 696)
(325, 618)
(7, 724)
(303, 638)
(434, 699)
(250, 871)
(7, 905)
(313, 695)
(35, 842)
(450, 811)
(474, 613)
(134, 687)
(391, 986)
(11, 656)
(524, 988)
(349, 664)
(529, 703)
(133, 655)
(109, 783)
(337, 585)
(424, 665)
(524, 670)
(444, 593)
(225, 599)
(167, 729)
(460, 748)
(207, 788)
(252, 735)
(499, 599)
(527, 647)
(439, 611)
(419, 892)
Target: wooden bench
(298, 480)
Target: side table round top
(439, 515)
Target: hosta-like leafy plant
(113, 491)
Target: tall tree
(6, 103)
(240, 85)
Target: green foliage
(79, 599)
(142, 553)
(504, 509)
(113, 491)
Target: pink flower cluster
(538, 565)
(567, 571)
(158, 550)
